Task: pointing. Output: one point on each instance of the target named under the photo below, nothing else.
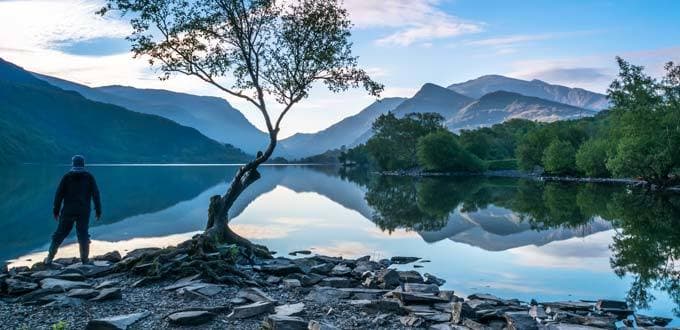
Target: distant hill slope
(433, 98)
(500, 106)
(578, 97)
(42, 123)
(344, 132)
(212, 116)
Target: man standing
(76, 191)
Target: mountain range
(484, 101)
(214, 117)
(41, 123)
(577, 97)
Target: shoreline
(222, 288)
(524, 175)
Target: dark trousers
(65, 226)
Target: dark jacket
(76, 190)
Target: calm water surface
(509, 237)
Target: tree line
(638, 137)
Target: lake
(510, 237)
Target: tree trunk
(217, 227)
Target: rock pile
(312, 292)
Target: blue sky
(404, 43)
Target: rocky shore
(227, 287)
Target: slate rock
(326, 294)
(64, 285)
(337, 282)
(431, 279)
(289, 309)
(113, 256)
(403, 260)
(411, 321)
(280, 269)
(323, 269)
(410, 276)
(108, 294)
(282, 322)
(316, 325)
(250, 310)
(119, 322)
(186, 281)
(292, 283)
(191, 318)
(340, 270)
(421, 288)
(17, 287)
(271, 279)
(82, 293)
(107, 284)
(520, 321)
(388, 278)
(255, 295)
(418, 298)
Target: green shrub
(591, 158)
(439, 151)
(559, 158)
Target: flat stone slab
(64, 285)
(418, 298)
(191, 318)
(403, 260)
(337, 282)
(119, 322)
(255, 295)
(82, 293)
(282, 322)
(182, 283)
(108, 294)
(326, 294)
(250, 310)
(290, 309)
(17, 287)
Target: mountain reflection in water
(508, 236)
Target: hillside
(344, 132)
(433, 98)
(577, 97)
(497, 107)
(44, 124)
(212, 116)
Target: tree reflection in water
(646, 243)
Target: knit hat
(78, 163)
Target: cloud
(573, 75)
(509, 40)
(414, 20)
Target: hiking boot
(84, 254)
(50, 254)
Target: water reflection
(508, 236)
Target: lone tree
(269, 50)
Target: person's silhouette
(76, 191)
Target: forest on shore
(638, 137)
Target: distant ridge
(497, 107)
(577, 97)
(212, 116)
(40, 123)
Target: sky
(402, 43)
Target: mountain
(344, 132)
(433, 98)
(497, 107)
(42, 123)
(212, 116)
(577, 97)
